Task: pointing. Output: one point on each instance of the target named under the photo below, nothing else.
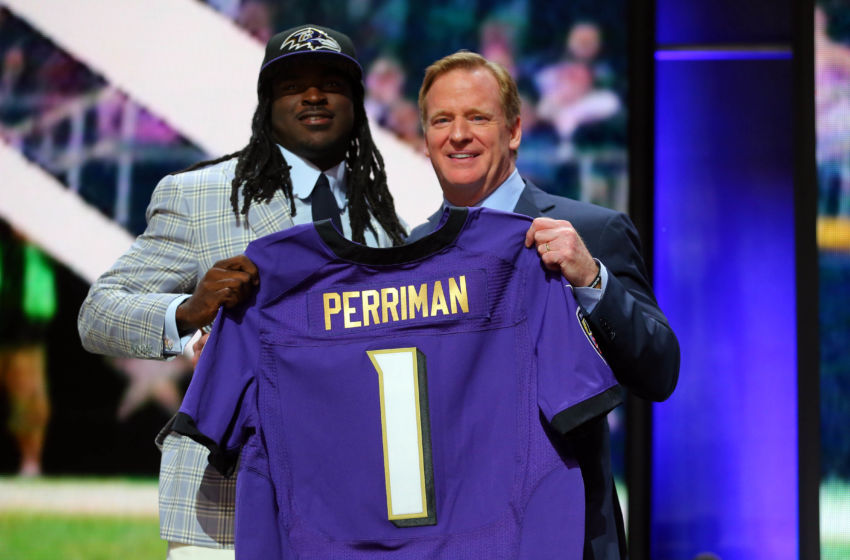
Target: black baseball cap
(313, 40)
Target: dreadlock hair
(367, 182)
(261, 170)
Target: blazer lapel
(270, 217)
(525, 205)
(421, 231)
(533, 202)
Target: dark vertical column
(808, 334)
(641, 19)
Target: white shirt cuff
(172, 342)
(587, 297)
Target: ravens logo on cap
(310, 38)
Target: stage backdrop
(832, 115)
(99, 100)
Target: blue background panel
(725, 444)
(723, 21)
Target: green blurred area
(834, 550)
(40, 536)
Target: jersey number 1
(406, 431)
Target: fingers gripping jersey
(402, 403)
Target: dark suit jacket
(635, 339)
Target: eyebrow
(470, 111)
(478, 111)
(438, 113)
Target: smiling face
(312, 111)
(467, 135)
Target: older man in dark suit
(470, 108)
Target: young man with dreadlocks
(310, 157)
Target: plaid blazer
(191, 225)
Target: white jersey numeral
(405, 426)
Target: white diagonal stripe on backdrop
(179, 58)
(55, 218)
(195, 69)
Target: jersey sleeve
(575, 383)
(219, 409)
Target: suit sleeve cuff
(172, 342)
(583, 412)
(588, 298)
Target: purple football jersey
(402, 403)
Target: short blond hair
(467, 60)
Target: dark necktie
(323, 202)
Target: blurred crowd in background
(86, 133)
(832, 111)
(569, 61)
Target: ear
(516, 134)
(425, 146)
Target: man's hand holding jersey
(228, 283)
(561, 248)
